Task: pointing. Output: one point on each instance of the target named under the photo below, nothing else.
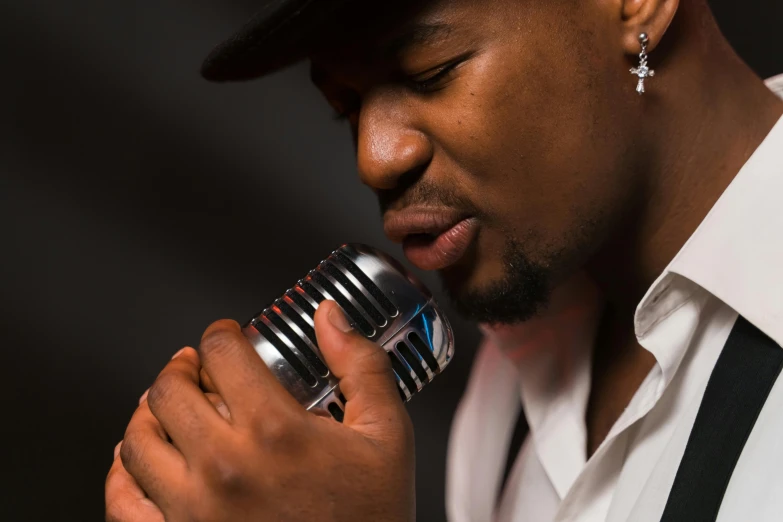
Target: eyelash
(425, 86)
(430, 84)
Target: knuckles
(227, 469)
(166, 386)
(281, 431)
(374, 360)
(236, 466)
(218, 341)
(132, 450)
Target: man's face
(496, 134)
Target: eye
(436, 78)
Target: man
(606, 228)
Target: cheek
(534, 139)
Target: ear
(646, 16)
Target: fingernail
(223, 410)
(117, 449)
(178, 354)
(338, 320)
(144, 396)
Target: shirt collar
(552, 355)
(736, 254)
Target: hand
(265, 457)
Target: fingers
(125, 500)
(206, 382)
(241, 377)
(183, 410)
(152, 461)
(363, 368)
(220, 405)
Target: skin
(248, 451)
(537, 134)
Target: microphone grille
(380, 298)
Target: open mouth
(436, 251)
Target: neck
(705, 113)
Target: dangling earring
(643, 71)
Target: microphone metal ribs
(381, 300)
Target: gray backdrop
(138, 203)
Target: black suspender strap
(738, 387)
(518, 437)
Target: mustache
(424, 193)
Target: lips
(432, 239)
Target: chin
(515, 293)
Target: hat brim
(279, 35)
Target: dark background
(138, 203)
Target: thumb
(363, 369)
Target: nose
(389, 147)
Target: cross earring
(643, 71)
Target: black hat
(279, 34)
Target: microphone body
(380, 298)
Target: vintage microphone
(381, 300)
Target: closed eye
(429, 81)
(436, 78)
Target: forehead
(380, 34)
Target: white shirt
(732, 264)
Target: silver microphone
(381, 299)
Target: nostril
(387, 197)
(410, 177)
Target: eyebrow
(417, 33)
(420, 33)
